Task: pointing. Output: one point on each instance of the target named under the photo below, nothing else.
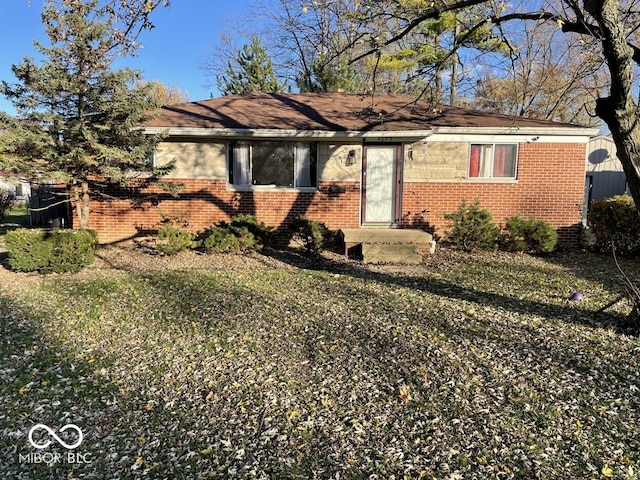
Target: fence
(47, 205)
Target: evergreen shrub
(174, 235)
(47, 251)
(242, 234)
(529, 235)
(313, 235)
(472, 227)
(615, 222)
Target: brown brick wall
(549, 186)
(205, 202)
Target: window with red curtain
(474, 161)
(499, 159)
(493, 160)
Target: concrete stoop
(395, 246)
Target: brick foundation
(206, 202)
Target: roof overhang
(240, 133)
(564, 134)
(559, 134)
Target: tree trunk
(455, 60)
(619, 110)
(82, 205)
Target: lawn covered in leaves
(470, 367)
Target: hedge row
(47, 251)
(244, 233)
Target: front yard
(255, 367)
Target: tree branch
(428, 15)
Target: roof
(331, 112)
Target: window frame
(493, 145)
(232, 167)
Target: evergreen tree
(253, 72)
(325, 77)
(76, 117)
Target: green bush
(174, 235)
(259, 230)
(242, 234)
(56, 251)
(615, 221)
(173, 239)
(313, 235)
(529, 235)
(221, 238)
(472, 227)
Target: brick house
(351, 161)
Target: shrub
(313, 235)
(242, 234)
(260, 231)
(56, 251)
(221, 238)
(529, 235)
(615, 221)
(174, 236)
(7, 198)
(172, 239)
(472, 227)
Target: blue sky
(184, 34)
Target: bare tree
(166, 94)
(311, 43)
(610, 25)
(550, 75)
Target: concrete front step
(388, 249)
(405, 259)
(406, 254)
(385, 235)
(388, 245)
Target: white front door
(379, 185)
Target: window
(281, 164)
(493, 160)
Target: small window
(493, 160)
(281, 164)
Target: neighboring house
(19, 186)
(604, 175)
(352, 161)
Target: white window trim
(275, 188)
(491, 177)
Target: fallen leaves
(475, 368)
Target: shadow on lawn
(46, 382)
(387, 358)
(567, 312)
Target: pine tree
(76, 116)
(253, 72)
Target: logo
(55, 457)
(48, 442)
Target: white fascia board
(513, 134)
(240, 133)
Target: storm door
(381, 185)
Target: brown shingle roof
(329, 112)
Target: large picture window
(493, 160)
(280, 164)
